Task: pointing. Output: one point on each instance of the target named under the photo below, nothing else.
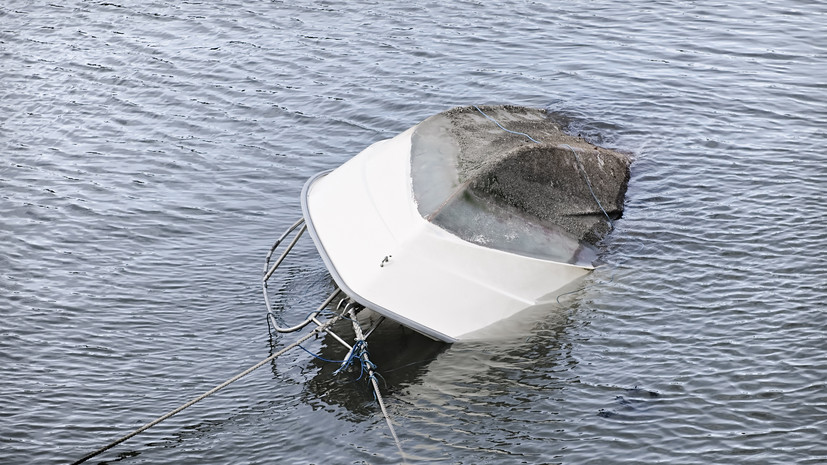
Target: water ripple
(152, 152)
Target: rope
(588, 183)
(366, 363)
(504, 129)
(211, 391)
(387, 416)
(319, 356)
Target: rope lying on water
(212, 391)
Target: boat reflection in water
(401, 356)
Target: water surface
(152, 151)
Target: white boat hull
(364, 221)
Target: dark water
(152, 151)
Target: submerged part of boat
(466, 219)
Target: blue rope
(355, 354)
(504, 129)
(378, 375)
(319, 356)
(367, 365)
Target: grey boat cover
(546, 198)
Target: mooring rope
(212, 391)
(366, 363)
(387, 416)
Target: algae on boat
(534, 193)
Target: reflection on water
(401, 357)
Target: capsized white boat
(466, 219)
